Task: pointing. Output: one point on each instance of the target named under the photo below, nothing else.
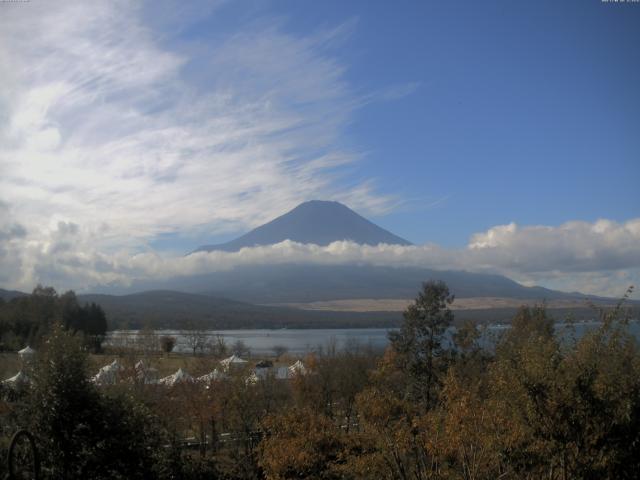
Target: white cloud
(69, 257)
(573, 246)
(102, 126)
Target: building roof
(232, 360)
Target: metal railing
(23, 462)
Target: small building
(282, 373)
(232, 362)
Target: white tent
(146, 373)
(26, 352)
(115, 365)
(108, 375)
(178, 377)
(105, 376)
(19, 379)
(232, 361)
(297, 368)
(211, 376)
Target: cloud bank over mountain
(598, 258)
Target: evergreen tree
(419, 340)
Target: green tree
(419, 340)
(82, 433)
(65, 405)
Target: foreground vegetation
(535, 408)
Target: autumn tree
(288, 453)
(167, 343)
(567, 411)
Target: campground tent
(26, 352)
(297, 368)
(18, 380)
(180, 376)
(211, 376)
(108, 375)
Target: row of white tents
(109, 374)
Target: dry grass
(398, 304)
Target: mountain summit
(318, 222)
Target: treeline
(535, 407)
(25, 320)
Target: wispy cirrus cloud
(103, 126)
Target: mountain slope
(9, 294)
(317, 222)
(292, 283)
(307, 283)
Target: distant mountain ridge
(173, 309)
(301, 283)
(318, 222)
(9, 294)
(266, 284)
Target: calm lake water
(262, 342)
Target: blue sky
(137, 131)
(525, 111)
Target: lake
(262, 342)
